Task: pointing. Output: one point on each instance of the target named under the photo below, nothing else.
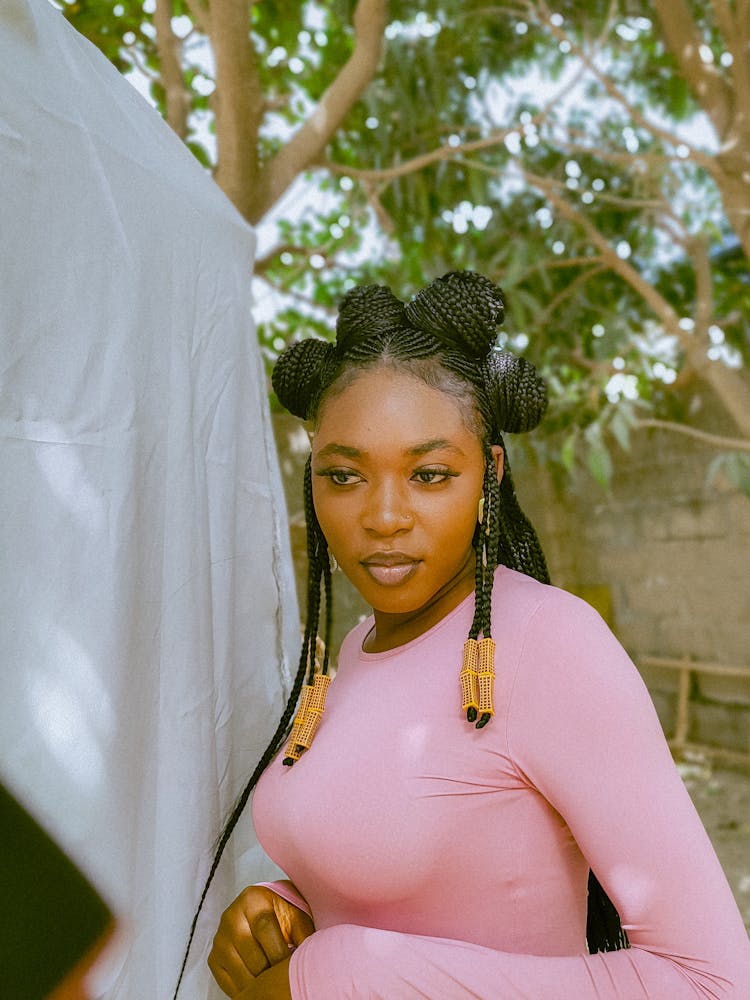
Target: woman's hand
(273, 984)
(257, 932)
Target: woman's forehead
(394, 412)
(389, 393)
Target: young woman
(487, 757)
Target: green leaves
(599, 460)
(735, 466)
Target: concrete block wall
(674, 556)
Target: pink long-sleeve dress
(443, 862)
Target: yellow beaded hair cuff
(311, 707)
(478, 680)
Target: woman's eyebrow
(347, 451)
(339, 449)
(436, 444)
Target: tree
(594, 157)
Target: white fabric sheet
(147, 613)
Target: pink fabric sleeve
(582, 730)
(348, 962)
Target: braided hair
(445, 336)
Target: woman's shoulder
(558, 643)
(535, 605)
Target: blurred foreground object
(54, 923)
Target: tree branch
(307, 144)
(616, 94)
(141, 66)
(734, 33)
(168, 46)
(288, 291)
(650, 295)
(704, 306)
(684, 42)
(659, 160)
(262, 264)
(728, 385)
(199, 14)
(554, 265)
(743, 22)
(372, 192)
(714, 440)
(418, 162)
(445, 152)
(570, 290)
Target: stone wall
(664, 559)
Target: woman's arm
(348, 962)
(584, 732)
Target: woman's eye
(431, 476)
(340, 477)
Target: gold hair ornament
(311, 707)
(478, 680)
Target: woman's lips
(390, 570)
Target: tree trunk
(238, 103)
(735, 196)
(307, 144)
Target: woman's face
(397, 478)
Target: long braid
(478, 544)
(317, 567)
(315, 546)
(518, 545)
(328, 592)
(276, 741)
(319, 574)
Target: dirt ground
(722, 797)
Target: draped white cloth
(147, 611)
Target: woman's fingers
(236, 955)
(229, 970)
(273, 984)
(300, 926)
(294, 923)
(268, 935)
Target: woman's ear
(498, 455)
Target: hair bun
(296, 376)
(366, 312)
(462, 310)
(517, 393)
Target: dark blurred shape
(53, 922)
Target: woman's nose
(387, 510)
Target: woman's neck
(392, 630)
